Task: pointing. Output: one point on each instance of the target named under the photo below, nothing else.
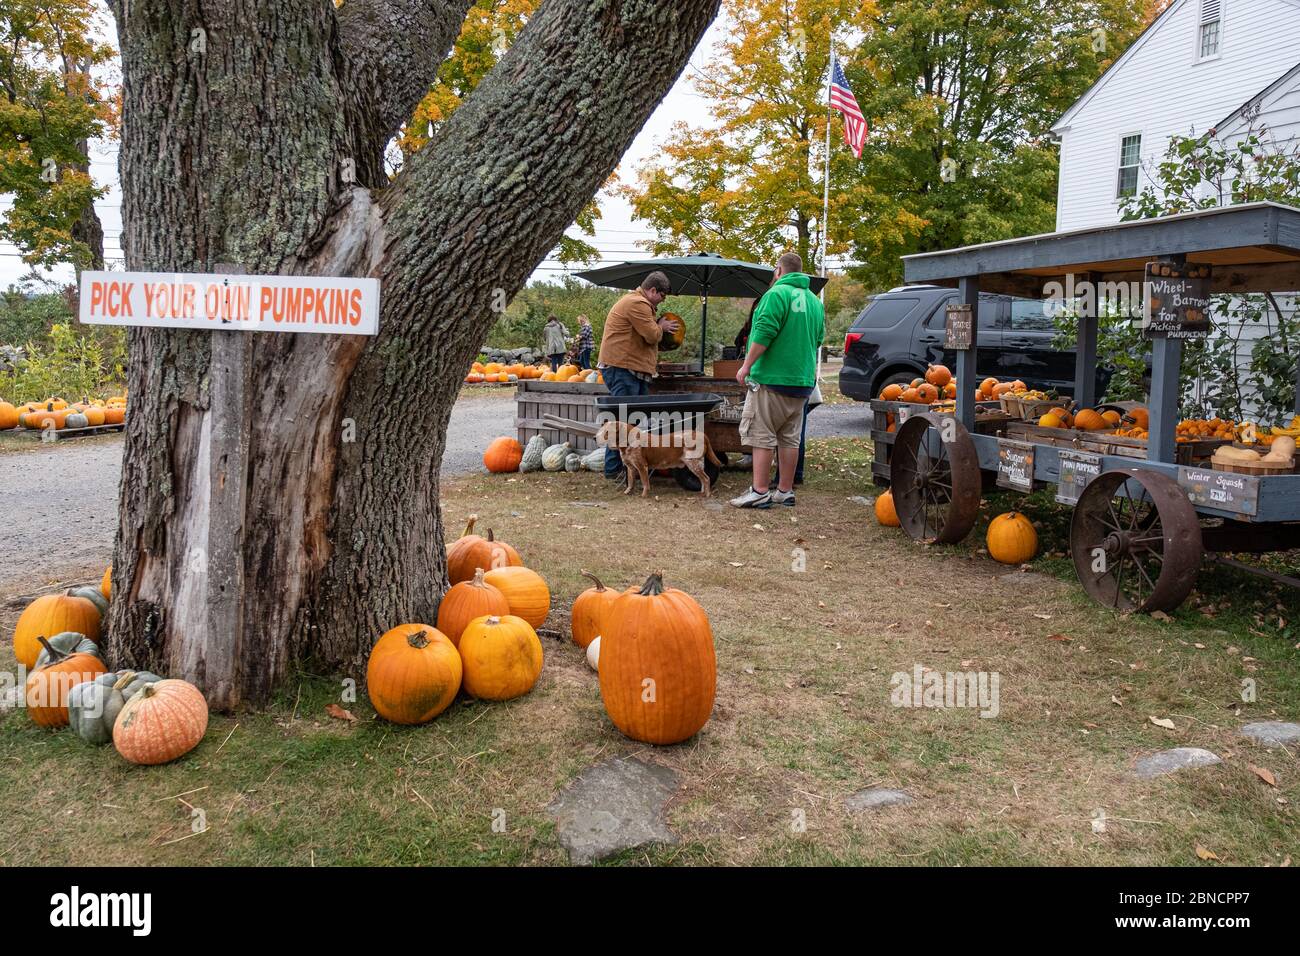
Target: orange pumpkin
(106, 583)
(938, 375)
(587, 618)
(8, 416)
(673, 340)
(95, 415)
(885, 513)
(502, 657)
(470, 552)
(503, 455)
(927, 393)
(474, 378)
(525, 591)
(1138, 418)
(1011, 538)
(1112, 418)
(890, 393)
(467, 601)
(658, 669)
(413, 674)
(114, 415)
(53, 614)
(950, 390)
(910, 395)
(988, 385)
(1088, 420)
(163, 721)
(46, 690)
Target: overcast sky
(617, 233)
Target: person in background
(781, 371)
(554, 337)
(629, 348)
(586, 341)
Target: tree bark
(266, 150)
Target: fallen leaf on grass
(1164, 722)
(1116, 701)
(736, 564)
(337, 712)
(1264, 774)
(1162, 616)
(1205, 854)
(1043, 617)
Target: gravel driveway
(71, 524)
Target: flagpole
(826, 178)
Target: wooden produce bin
(723, 424)
(1108, 443)
(572, 400)
(989, 419)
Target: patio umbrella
(703, 274)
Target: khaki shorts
(771, 420)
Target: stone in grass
(877, 797)
(616, 805)
(1171, 761)
(1273, 733)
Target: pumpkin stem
(417, 640)
(489, 535)
(599, 585)
(493, 620)
(469, 528)
(56, 655)
(148, 690)
(653, 584)
(125, 679)
(478, 581)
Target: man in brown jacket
(629, 348)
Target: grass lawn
(803, 715)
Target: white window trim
(1119, 160)
(1196, 39)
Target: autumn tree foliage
(51, 106)
(961, 97)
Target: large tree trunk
(240, 155)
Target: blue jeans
(556, 360)
(620, 382)
(584, 358)
(803, 441)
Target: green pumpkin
(532, 460)
(93, 706)
(95, 596)
(69, 642)
(553, 457)
(76, 420)
(594, 460)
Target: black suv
(901, 332)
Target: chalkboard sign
(1176, 300)
(960, 322)
(1078, 469)
(1015, 465)
(1221, 489)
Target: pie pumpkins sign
(658, 669)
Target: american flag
(855, 124)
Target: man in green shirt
(781, 371)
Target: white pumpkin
(593, 654)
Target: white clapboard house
(1226, 65)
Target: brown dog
(641, 452)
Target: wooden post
(1297, 386)
(228, 454)
(1085, 354)
(968, 292)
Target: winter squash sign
(169, 300)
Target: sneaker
(780, 497)
(753, 499)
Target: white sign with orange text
(173, 300)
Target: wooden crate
(575, 400)
(1034, 408)
(989, 420)
(1109, 443)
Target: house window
(1130, 157)
(1210, 33)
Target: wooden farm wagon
(1142, 518)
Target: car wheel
(903, 378)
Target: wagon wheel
(936, 483)
(1136, 541)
